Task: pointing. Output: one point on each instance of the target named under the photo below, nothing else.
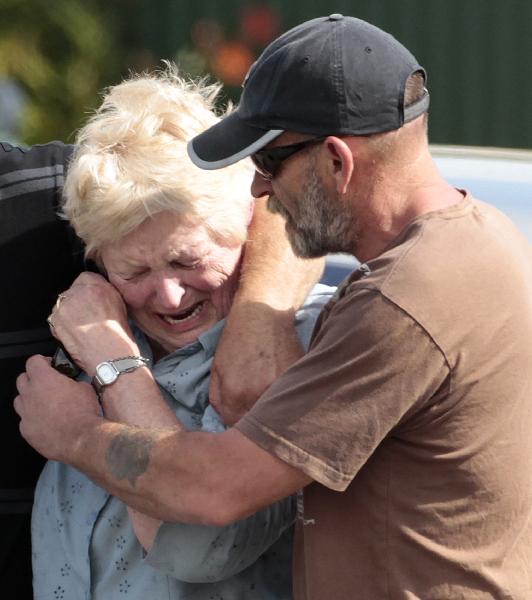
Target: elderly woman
(169, 238)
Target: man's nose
(261, 186)
(170, 292)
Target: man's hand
(90, 320)
(259, 341)
(53, 409)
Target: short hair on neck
(386, 146)
(131, 162)
(414, 88)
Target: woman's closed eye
(132, 275)
(185, 264)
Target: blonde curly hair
(131, 163)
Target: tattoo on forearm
(128, 454)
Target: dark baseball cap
(333, 75)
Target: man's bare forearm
(260, 341)
(192, 477)
(115, 456)
(271, 272)
(165, 472)
(135, 399)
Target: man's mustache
(275, 207)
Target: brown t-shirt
(413, 414)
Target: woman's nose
(170, 292)
(260, 186)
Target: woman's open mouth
(184, 316)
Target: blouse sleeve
(203, 554)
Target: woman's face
(176, 281)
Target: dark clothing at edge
(39, 257)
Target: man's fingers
(36, 366)
(35, 363)
(22, 383)
(17, 405)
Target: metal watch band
(108, 371)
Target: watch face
(107, 373)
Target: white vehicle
(500, 176)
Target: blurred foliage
(61, 53)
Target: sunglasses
(268, 160)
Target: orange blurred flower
(231, 62)
(259, 24)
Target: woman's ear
(341, 163)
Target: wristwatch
(107, 372)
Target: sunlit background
(56, 55)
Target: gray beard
(321, 225)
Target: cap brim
(227, 142)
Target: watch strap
(125, 364)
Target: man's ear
(341, 164)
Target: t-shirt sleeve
(370, 369)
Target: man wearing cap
(407, 425)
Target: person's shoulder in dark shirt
(39, 257)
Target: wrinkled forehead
(165, 231)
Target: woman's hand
(90, 320)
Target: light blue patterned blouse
(84, 546)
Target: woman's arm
(136, 400)
(203, 553)
(206, 553)
(133, 401)
(132, 408)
